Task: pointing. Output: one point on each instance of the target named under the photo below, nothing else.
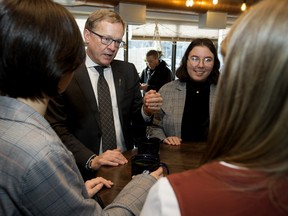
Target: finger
(108, 163)
(154, 95)
(104, 181)
(157, 173)
(112, 162)
(176, 141)
(172, 141)
(96, 188)
(154, 108)
(107, 160)
(167, 141)
(113, 156)
(117, 150)
(120, 158)
(108, 183)
(153, 103)
(150, 92)
(153, 99)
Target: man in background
(156, 74)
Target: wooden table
(178, 158)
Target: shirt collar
(89, 63)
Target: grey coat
(168, 121)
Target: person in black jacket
(156, 74)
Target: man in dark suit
(75, 115)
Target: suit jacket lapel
(82, 78)
(119, 81)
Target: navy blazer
(75, 118)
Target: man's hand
(152, 102)
(109, 158)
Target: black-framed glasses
(108, 40)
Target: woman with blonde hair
(245, 169)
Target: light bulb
(215, 2)
(189, 3)
(243, 6)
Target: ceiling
(231, 7)
(175, 20)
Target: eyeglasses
(206, 61)
(108, 40)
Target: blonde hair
(250, 120)
(103, 14)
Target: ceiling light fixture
(215, 2)
(243, 6)
(189, 3)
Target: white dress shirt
(94, 75)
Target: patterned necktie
(106, 113)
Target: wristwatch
(89, 161)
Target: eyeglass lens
(206, 61)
